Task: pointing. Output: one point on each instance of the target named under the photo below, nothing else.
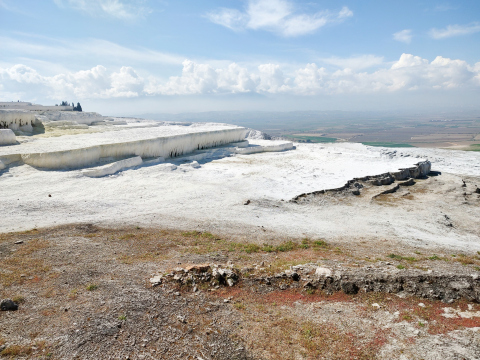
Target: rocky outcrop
(197, 274)
(420, 170)
(446, 287)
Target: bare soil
(84, 292)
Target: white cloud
(356, 62)
(100, 50)
(408, 73)
(230, 18)
(120, 9)
(278, 16)
(404, 36)
(455, 30)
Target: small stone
(226, 300)
(195, 289)
(8, 305)
(19, 242)
(246, 202)
(181, 319)
(376, 306)
(421, 305)
(416, 332)
(156, 280)
(321, 271)
(230, 282)
(177, 293)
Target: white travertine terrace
(76, 151)
(22, 120)
(7, 137)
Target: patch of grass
(310, 291)
(16, 351)
(399, 257)
(24, 261)
(199, 234)
(92, 287)
(18, 299)
(467, 260)
(122, 317)
(387, 144)
(435, 257)
(268, 248)
(239, 306)
(320, 243)
(73, 294)
(400, 267)
(251, 248)
(286, 246)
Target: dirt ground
(84, 292)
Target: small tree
(78, 107)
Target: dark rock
(247, 202)
(409, 182)
(349, 287)
(295, 276)
(356, 192)
(8, 305)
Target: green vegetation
(92, 287)
(474, 147)
(313, 139)
(387, 144)
(399, 257)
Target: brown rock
(198, 268)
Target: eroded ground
(84, 292)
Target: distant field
(474, 147)
(387, 144)
(313, 139)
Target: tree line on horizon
(75, 108)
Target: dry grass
(280, 334)
(14, 351)
(277, 327)
(25, 264)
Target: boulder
(8, 305)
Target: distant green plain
(313, 139)
(388, 144)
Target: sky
(123, 57)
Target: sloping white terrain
(76, 151)
(199, 176)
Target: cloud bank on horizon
(151, 50)
(409, 73)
